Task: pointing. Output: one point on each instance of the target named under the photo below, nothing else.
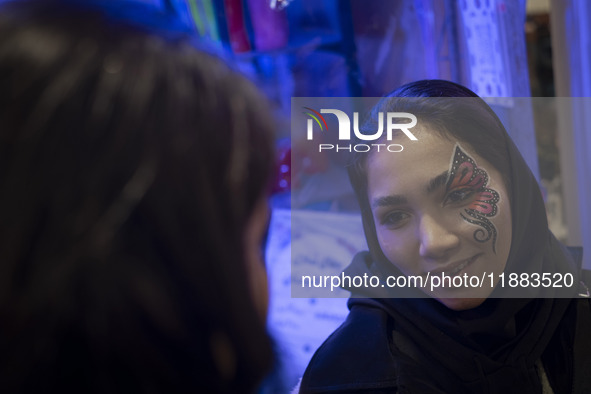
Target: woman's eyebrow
(437, 182)
(388, 201)
(397, 199)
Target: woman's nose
(438, 240)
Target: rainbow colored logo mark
(315, 115)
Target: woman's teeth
(460, 267)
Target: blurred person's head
(134, 171)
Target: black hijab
(494, 347)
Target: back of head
(130, 165)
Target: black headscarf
(494, 347)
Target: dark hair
(450, 109)
(130, 165)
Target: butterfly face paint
(465, 176)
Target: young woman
(134, 172)
(460, 202)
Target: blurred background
(352, 48)
(501, 49)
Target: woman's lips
(455, 268)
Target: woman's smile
(454, 268)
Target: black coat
(365, 355)
(389, 346)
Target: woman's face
(440, 210)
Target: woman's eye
(395, 219)
(457, 196)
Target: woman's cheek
(397, 250)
